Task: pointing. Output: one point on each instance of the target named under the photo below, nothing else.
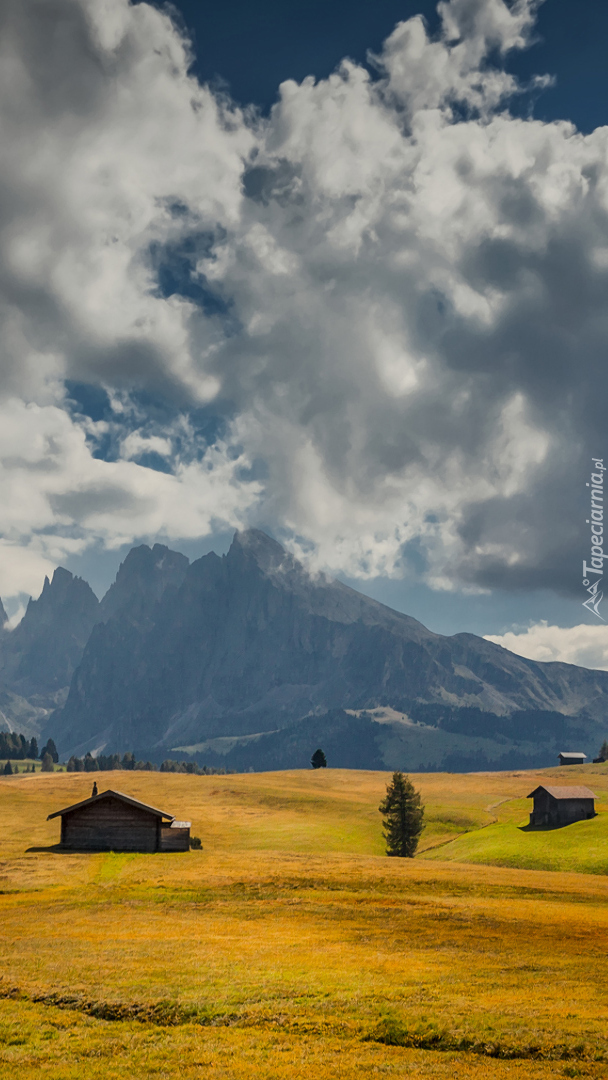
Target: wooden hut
(569, 757)
(561, 805)
(111, 821)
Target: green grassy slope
(508, 841)
(582, 847)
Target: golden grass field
(290, 946)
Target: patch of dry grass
(290, 943)
(39, 1043)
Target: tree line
(14, 747)
(17, 747)
(128, 762)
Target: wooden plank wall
(174, 839)
(110, 825)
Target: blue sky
(328, 269)
(255, 47)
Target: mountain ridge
(251, 643)
(247, 658)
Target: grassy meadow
(24, 765)
(290, 944)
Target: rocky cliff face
(38, 657)
(241, 657)
(141, 581)
(41, 653)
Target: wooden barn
(111, 821)
(569, 757)
(561, 805)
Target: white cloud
(584, 645)
(137, 444)
(400, 318)
(56, 498)
(22, 569)
(425, 74)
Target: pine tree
(318, 760)
(604, 750)
(8, 769)
(33, 750)
(403, 815)
(51, 749)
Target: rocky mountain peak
(253, 552)
(253, 544)
(63, 596)
(39, 656)
(144, 575)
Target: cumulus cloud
(584, 645)
(374, 319)
(55, 495)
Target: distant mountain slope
(250, 643)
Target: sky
(337, 271)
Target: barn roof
(569, 792)
(572, 754)
(115, 795)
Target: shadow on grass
(51, 849)
(544, 828)
(57, 849)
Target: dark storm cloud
(390, 294)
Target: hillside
(315, 812)
(290, 943)
(508, 840)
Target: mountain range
(249, 661)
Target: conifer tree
(8, 769)
(403, 816)
(51, 749)
(33, 750)
(47, 763)
(318, 760)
